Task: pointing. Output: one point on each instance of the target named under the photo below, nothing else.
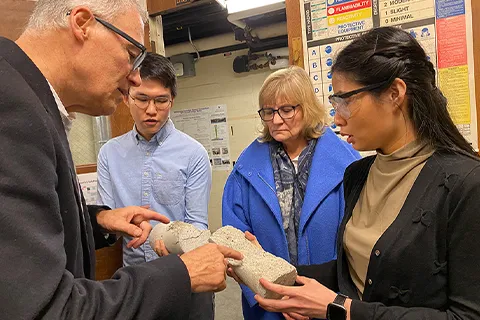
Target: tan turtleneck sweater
(389, 181)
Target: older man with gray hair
(77, 56)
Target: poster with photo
(207, 125)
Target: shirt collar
(160, 136)
(67, 118)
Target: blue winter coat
(250, 203)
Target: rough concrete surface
(256, 262)
(180, 237)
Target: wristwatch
(336, 310)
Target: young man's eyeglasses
(285, 112)
(142, 102)
(135, 59)
(340, 103)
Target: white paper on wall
(207, 125)
(88, 183)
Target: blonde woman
(287, 186)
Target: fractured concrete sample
(179, 237)
(256, 263)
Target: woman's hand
(250, 237)
(293, 315)
(307, 301)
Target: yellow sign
(350, 16)
(454, 85)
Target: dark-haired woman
(408, 246)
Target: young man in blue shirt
(156, 165)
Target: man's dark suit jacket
(47, 241)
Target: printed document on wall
(442, 27)
(207, 125)
(88, 183)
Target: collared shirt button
(145, 194)
(249, 174)
(377, 253)
(159, 175)
(145, 174)
(370, 281)
(148, 153)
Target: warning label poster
(442, 27)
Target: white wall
(217, 83)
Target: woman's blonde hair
(293, 86)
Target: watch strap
(340, 299)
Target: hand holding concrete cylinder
(180, 237)
(256, 263)
(205, 262)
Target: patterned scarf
(291, 186)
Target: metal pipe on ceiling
(225, 40)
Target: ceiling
(207, 19)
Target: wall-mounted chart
(442, 27)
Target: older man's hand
(132, 221)
(207, 266)
(160, 248)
